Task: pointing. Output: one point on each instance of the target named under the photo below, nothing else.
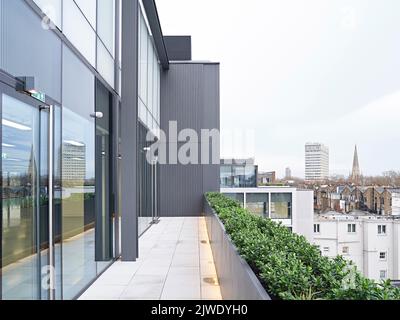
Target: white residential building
(316, 162)
(292, 207)
(370, 241)
(396, 203)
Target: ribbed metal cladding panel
(190, 96)
(182, 96)
(211, 120)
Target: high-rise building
(73, 162)
(317, 162)
(355, 172)
(288, 173)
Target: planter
(237, 279)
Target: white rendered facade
(396, 203)
(270, 203)
(370, 241)
(316, 162)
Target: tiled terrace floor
(175, 263)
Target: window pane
(158, 112)
(281, 206)
(258, 203)
(150, 75)
(156, 87)
(238, 176)
(106, 23)
(105, 63)
(88, 7)
(236, 196)
(18, 254)
(250, 176)
(78, 31)
(226, 177)
(143, 61)
(22, 54)
(78, 176)
(51, 8)
(142, 112)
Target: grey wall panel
(190, 96)
(211, 97)
(181, 187)
(129, 116)
(182, 96)
(179, 48)
(211, 120)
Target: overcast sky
(298, 71)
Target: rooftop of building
(341, 188)
(353, 215)
(238, 161)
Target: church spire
(355, 174)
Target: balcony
(175, 263)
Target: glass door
(104, 220)
(25, 200)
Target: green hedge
(288, 266)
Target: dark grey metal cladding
(211, 120)
(181, 188)
(189, 96)
(179, 48)
(182, 97)
(129, 117)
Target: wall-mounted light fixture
(97, 115)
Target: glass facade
(77, 76)
(238, 176)
(78, 68)
(271, 205)
(149, 124)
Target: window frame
(351, 228)
(385, 256)
(382, 230)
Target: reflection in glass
(103, 208)
(226, 177)
(238, 176)
(20, 151)
(258, 203)
(57, 213)
(145, 182)
(236, 196)
(281, 205)
(78, 176)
